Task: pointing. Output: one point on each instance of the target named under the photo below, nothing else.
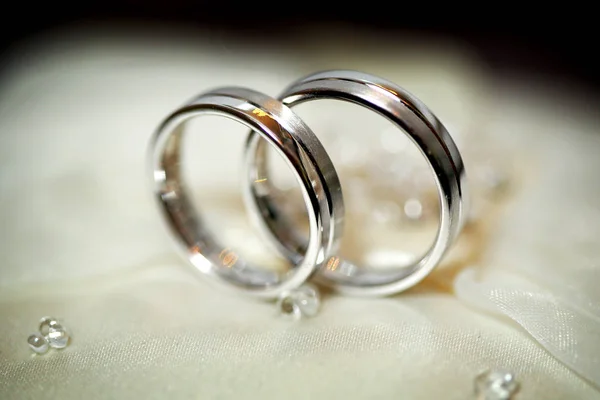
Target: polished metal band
(413, 118)
(293, 140)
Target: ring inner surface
(204, 250)
(380, 266)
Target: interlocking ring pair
(272, 121)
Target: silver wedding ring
(273, 122)
(412, 117)
(280, 127)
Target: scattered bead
(45, 324)
(37, 343)
(299, 303)
(51, 335)
(496, 385)
(57, 337)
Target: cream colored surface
(81, 239)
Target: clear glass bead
(299, 303)
(496, 385)
(308, 300)
(45, 324)
(37, 342)
(288, 307)
(57, 337)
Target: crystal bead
(288, 307)
(299, 303)
(308, 300)
(45, 324)
(37, 343)
(496, 385)
(57, 337)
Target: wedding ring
(279, 126)
(412, 117)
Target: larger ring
(423, 128)
(280, 127)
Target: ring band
(413, 118)
(280, 127)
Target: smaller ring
(280, 127)
(413, 118)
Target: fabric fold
(570, 335)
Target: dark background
(552, 39)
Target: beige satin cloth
(81, 239)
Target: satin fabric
(81, 239)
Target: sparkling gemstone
(38, 343)
(57, 337)
(496, 385)
(299, 303)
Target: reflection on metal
(333, 263)
(228, 258)
(383, 89)
(259, 112)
